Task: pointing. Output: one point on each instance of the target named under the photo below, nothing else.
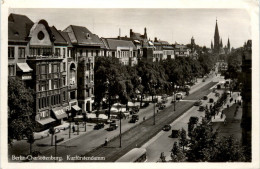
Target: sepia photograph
(154, 85)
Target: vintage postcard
(135, 84)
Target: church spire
(228, 44)
(216, 38)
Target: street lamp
(69, 118)
(120, 134)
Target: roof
(132, 155)
(59, 39)
(84, 36)
(114, 43)
(18, 27)
(66, 37)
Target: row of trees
(113, 79)
(205, 145)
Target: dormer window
(87, 35)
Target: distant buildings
(124, 50)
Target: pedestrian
(73, 128)
(221, 116)
(144, 118)
(106, 141)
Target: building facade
(37, 54)
(86, 46)
(124, 50)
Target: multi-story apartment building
(124, 50)
(37, 54)
(163, 50)
(86, 46)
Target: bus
(135, 155)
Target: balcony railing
(44, 57)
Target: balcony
(42, 57)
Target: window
(80, 52)
(11, 70)
(21, 52)
(69, 53)
(54, 68)
(43, 69)
(10, 52)
(86, 52)
(64, 52)
(97, 52)
(64, 96)
(43, 86)
(57, 51)
(64, 80)
(73, 95)
(64, 66)
(55, 84)
(92, 52)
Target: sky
(172, 25)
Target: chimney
(131, 33)
(155, 39)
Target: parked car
(179, 96)
(99, 126)
(198, 103)
(217, 94)
(203, 80)
(205, 97)
(211, 100)
(201, 108)
(167, 127)
(113, 126)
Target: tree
(183, 139)
(176, 154)
(30, 138)
(20, 109)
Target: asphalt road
(163, 142)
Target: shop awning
(24, 67)
(46, 121)
(76, 108)
(59, 113)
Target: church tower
(216, 39)
(228, 45)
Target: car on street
(217, 94)
(113, 126)
(167, 127)
(201, 108)
(211, 100)
(162, 106)
(99, 126)
(198, 103)
(135, 117)
(179, 96)
(205, 97)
